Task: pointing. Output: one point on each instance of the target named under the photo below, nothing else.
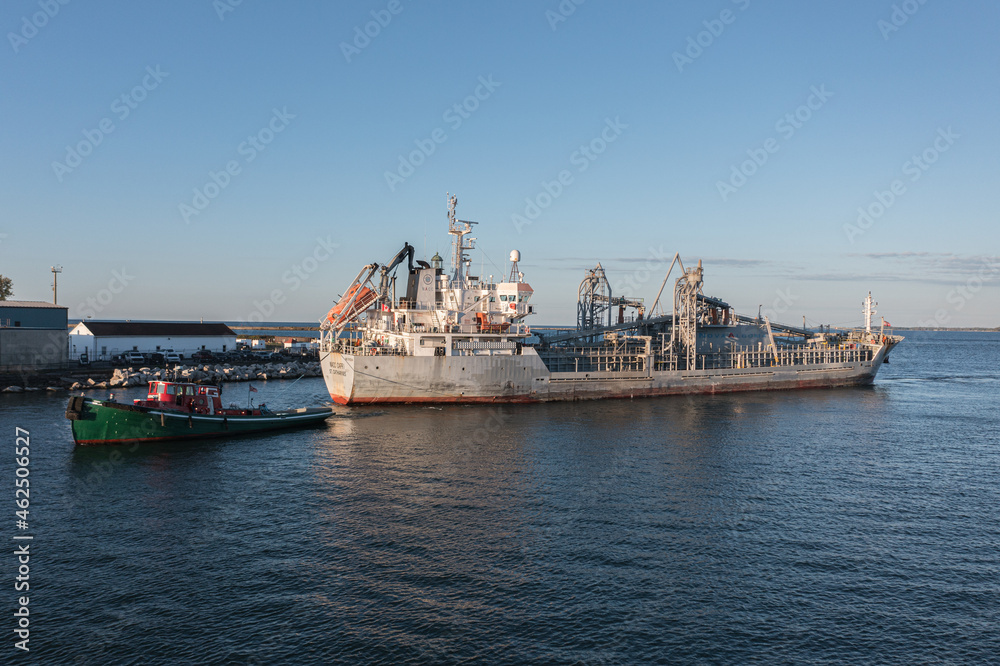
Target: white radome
(515, 255)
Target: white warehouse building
(101, 340)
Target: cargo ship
(450, 336)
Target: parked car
(231, 357)
(203, 356)
(134, 358)
(155, 358)
(171, 358)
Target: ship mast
(459, 228)
(868, 312)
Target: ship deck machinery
(454, 337)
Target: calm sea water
(848, 525)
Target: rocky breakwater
(206, 374)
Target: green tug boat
(176, 410)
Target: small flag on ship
(252, 389)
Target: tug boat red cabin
(189, 398)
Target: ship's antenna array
(459, 228)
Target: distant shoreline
(957, 329)
(306, 326)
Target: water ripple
(835, 526)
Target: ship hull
(94, 422)
(355, 380)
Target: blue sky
(747, 134)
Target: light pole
(56, 270)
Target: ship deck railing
(519, 329)
(753, 357)
(605, 359)
(363, 350)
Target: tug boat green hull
(96, 422)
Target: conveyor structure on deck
(666, 321)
